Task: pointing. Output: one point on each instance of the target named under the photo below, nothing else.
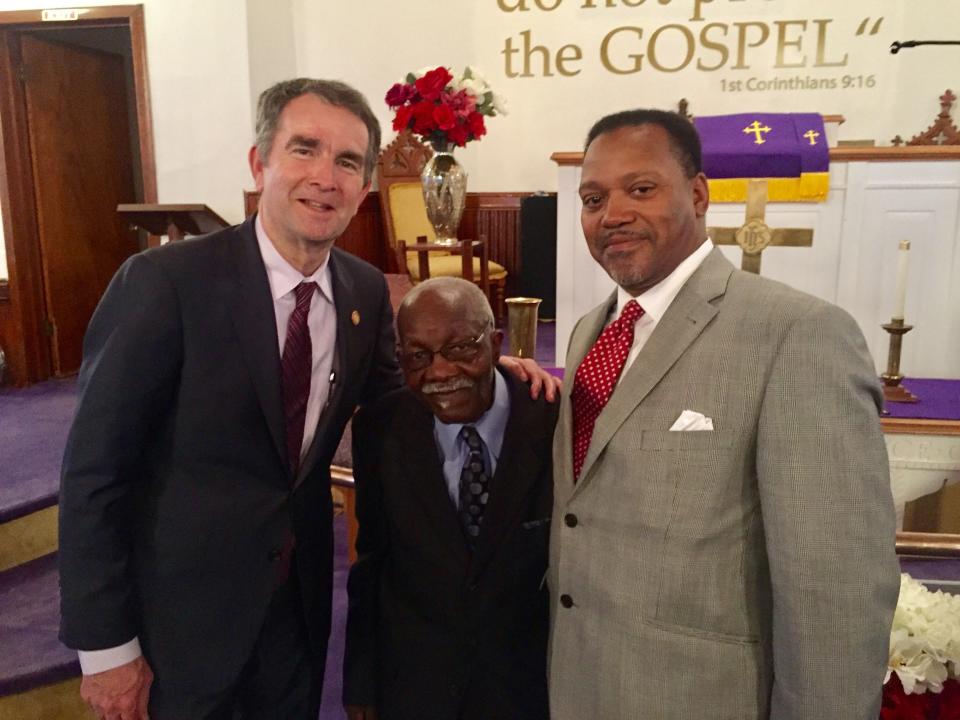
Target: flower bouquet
(442, 109)
(445, 111)
(924, 665)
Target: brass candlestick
(522, 320)
(893, 391)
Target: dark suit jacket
(434, 631)
(176, 494)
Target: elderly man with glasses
(448, 610)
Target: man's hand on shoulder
(121, 693)
(361, 712)
(526, 370)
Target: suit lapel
(517, 471)
(425, 482)
(344, 300)
(582, 338)
(254, 321)
(685, 319)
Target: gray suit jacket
(746, 572)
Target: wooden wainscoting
(494, 216)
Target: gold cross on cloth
(758, 130)
(754, 236)
(812, 136)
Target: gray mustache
(461, 383)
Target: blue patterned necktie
(474, 486)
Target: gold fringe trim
(809, 187)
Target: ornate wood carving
(404, 157)
(943, 131)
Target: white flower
(500, 104)
(925, 638)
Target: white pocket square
(691, 420)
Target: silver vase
(444, 184)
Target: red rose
(432, 84)
(402, 119)
(458, 135)
(949, 701)
(477, 128)
(423, 118)
(897, 705)
(399, 94)
(443, 117)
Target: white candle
(900, 297)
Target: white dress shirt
(656, 300)
(322, 322)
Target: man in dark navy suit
(218, 374)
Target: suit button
(566, 601)
(274, 554)
(570, 519)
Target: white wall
(209, 60)
(374, 43)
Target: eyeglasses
(462, 351)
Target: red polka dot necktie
(597, 377)
(296, 367)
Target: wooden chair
(405, 218)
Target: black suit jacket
(434, 631)
(175, 493)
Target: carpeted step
(28, 538)
(30, 653)
(34, 423)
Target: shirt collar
(657, 299)
(282, 276)
(490, 426)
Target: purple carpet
(332, 707)
(937, 400)
(30, 654)
(33, 431)
(925, 568)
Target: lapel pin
(355, 317)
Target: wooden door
(80, 144)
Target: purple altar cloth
(938, 400)
(732, 150)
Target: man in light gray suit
(723, 529)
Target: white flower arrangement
(925, 638)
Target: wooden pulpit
(175, 221)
